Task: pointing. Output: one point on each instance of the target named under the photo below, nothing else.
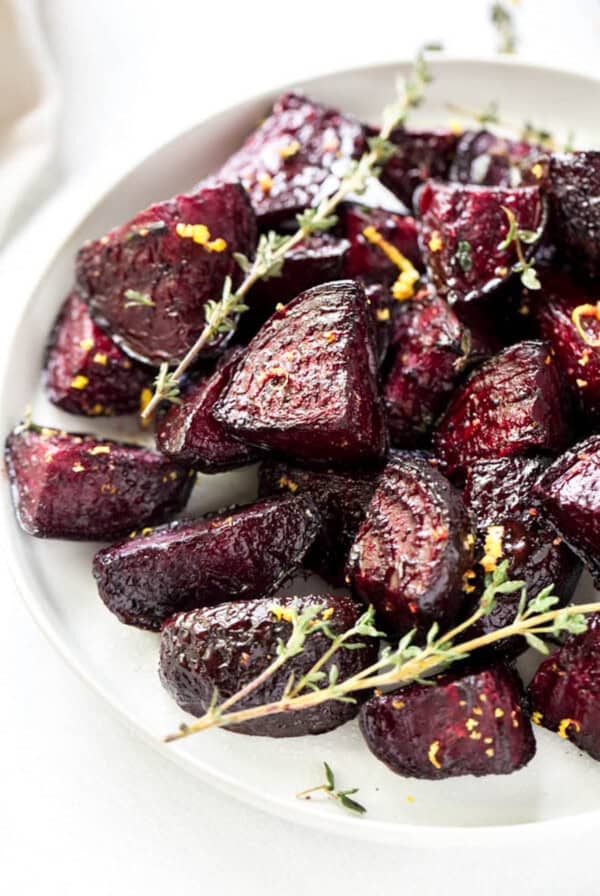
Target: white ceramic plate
(558, 792)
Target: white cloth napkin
(29, 102)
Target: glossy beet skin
(578, 362)
(569, 492)
(85, 372)
(227, 646)
(189, 433)
(467, 723)
(412, 549)
(368, 260)
(242, 553)
(486, 159)
(429, 350)
(298, 151)
(177, 274)
(565, 691)
(420, 155)
(500, 493)
(307, 384)
(341, 499)
(454, 217)
(66, 485)
(575, 208)
(512, 404)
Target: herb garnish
(343, 797)
(463, 255)
(503, 22)
(518, 236)
(136, 299)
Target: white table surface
(85, 808)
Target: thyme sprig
(527, 131)
(135, 299)
(221, 314)
(343, 797)
(404, 663)
(518, 236)
(503, 21)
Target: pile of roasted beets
(400, 440)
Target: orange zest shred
(432, 754)
(200, 234)
(493, 548)
(404, 287)
(581, 312)
(564, 726)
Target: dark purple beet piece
(227, 646)
(295, 154)
(462, 230)
(420, 155)
(500, 493)
(66, 485)
(341, 499)
(489, 160)
(575, 207)
(565, 691)
(578, 362)
(242, 553)
(569, 492)
(429, 349)
(484, 324)
(307, 384)
(412, 549)
(512, 404)
(149, 258)
(85, 372)
(467, 723)
(366, 259)
(189, 433)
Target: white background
(85, 808)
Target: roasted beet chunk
(575, 207)
(429, 349)
(489, 160)
(512, 404)
(374, 234)
(227, 646)
(467, 723)
(570, 494)
(245, 553)
(189, 433)
(73, 486)
(565, 691)
(412, 549)
(463, 233)
(499, 494)
(147, 282)
(341, 499)
(420, 155)
(284, 163)
(85, 372)
(578, 361)
(307, 385)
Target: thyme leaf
(342, 797)
(137, 299)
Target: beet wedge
(513, 404)
(147, 282)
(188, 432)
(85, 372)
(227, 646)
(66, 485)
(463, 235)
(297, 153)
(486, 159)
(466, 723)
(307, 384)
(565, 691)
(412, 549)
(342, 500)
(575, 208)
(368, 259)
(419, 156)
(243, 553)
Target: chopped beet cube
(484, 324)
(429, 349)
(341, 499)
(420, 155)
(228, 646)
(489, 160)
(297, 153)
(463, 229)
(243, 553)
(575, 207)
(512, 404)
(368, 259)
(66, 485)
(147, 282)
(565, 691)
(412, 549)
(467, 723)
(85, 372)
(189, 433)
(569, 491)
(307, 384)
